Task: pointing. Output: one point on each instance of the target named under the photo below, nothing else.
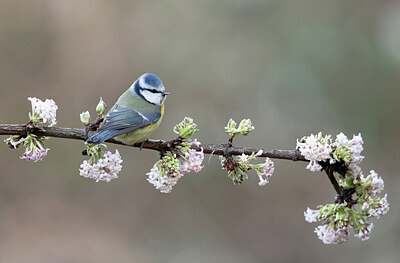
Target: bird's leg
(141, 144)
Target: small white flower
(355, 169)
(342, 139)
(364, 232)
(377, 183)
(356, 148)
(365, 206)
(266, 171)
(244, 158)
(373, 182)
(312, 215)
(259, 153)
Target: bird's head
(150, 88)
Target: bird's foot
(141, 144)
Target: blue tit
(136, 114)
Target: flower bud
(231, 127)
(101, 106)
(343, 153)
(85, 118)
(245, 127)
(186, 128)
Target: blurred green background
(293, 67)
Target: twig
(329, 169)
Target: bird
(136, 114)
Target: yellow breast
(142, 134)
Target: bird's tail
(102, 136)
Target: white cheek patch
(143, 84)
(155, 98)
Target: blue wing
(120, 120)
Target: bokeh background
(293, 67)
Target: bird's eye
(153, 90)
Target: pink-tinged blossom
(382, 208)
(356, 148)
(34, 152)
(332, 235)
(315, 148)
(377, 183)
(192, 160)
(34, 155)
(43, 111)
(365, 232)
(355, 170)
(165, 173)
(244, 158)
(365, 206)
(266, 171)
(312, 215)
(15, 144)
(105, 169)
(354, 145)
(162, 182)
(342, 139)
(373, 182)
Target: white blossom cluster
(34, 153)
(171, 167)
(315, 148)
(105, 169)
(162, 181)
(330, 235)
(338, 219)
(192, 159)
(349, 151)
(43, 111)
(34, 150)
(167, 171)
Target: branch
(158, 145)
(329, 169)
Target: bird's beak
(165, 92)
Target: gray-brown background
(293, 67)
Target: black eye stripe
(153, 90)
